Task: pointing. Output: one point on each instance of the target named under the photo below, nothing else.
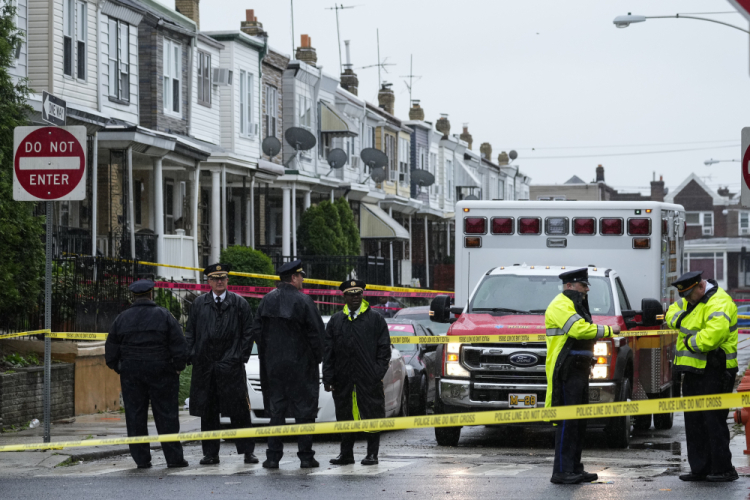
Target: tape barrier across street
(521, 416)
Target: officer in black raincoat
(219, 342)
(146, 347)
(289, 332)
(357, 353)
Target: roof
(717, 199)
(158, 9)
(575, 180)
(236, 36)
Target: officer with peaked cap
(146, 347)
(571, 335)
(220, 343)
(357, 354)
(706, 318)
(289, 332)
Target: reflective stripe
(600, 331)
(688, 332)
(570, 322)
(718, 314)
(694, 343)
(552, 332)
(733, 328)
(675, 318)
(731, 355)
(679, 304)
(688, 354)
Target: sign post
(49, 164)
(745, 165)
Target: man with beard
(571, 336)
(289, 332)
(219, 342)
(357, 353)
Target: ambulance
(508, 258)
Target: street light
(625, 21)
(710, 162)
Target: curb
(97, 454)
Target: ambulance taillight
(639, 227)
(502, 225)
(584, 225)
(475, 225)
(610, 226)
(530, 225)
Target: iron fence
(370, 269)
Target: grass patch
(69, 463)
(185, 377)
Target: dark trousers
(347, 443)
(158, 383)
(570, 433)
(707, 432)
(275, 448)
(211, 421)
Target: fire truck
(508, 258)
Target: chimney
(349, 80)
(189, 8)
(503, 158)
(306, 52)
(657, 189)
(443, 125)
(466, 136)
(599, 174)
(485, 150)
(416, 112)
(386, 98)
(251, 25)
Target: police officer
(220, 343)
(146, 347)
(289, 332)
(571, 335)
(357, 353)
(706, 318)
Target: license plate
(522, 400)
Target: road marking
(632, 473)
(362, 470)
(494, 470)
(432, 455)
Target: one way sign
(53, 109)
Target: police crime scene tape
(517, 416)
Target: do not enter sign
(49, 163)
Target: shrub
(247, 260)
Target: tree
(348, 227)
(328, 229)
(21, 249)
(246, 260)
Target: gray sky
(546, 74)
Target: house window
(304, 112)
(403, 160)
(712, 264)
(449, 175)
(433, 170)
(390, 152)
(204, 79)
(119, 60)
(172, 59)
(272, 111)
(69, 17)
(703, 219)
(247, 127)
(512, 191)
(744, 222)
(81, 38)
(500, 189)
(169, 199)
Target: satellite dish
(377, 175)
(337, 158)
(422, 178)
(471, 197)
(271, 146)
(300, 139)
(512, 155)
(374, 158)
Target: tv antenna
(381, 62)
(337, 8)
(410, 76)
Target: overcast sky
(550, 75)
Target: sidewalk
(82, 427)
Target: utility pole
(377, 33)
(292, 28)
(337, 8)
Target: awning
(375, 223)
(270, 167)
(331, 122)
(464, 177)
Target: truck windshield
(506, 293)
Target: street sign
(742, 6)
(49, 163)
(745, 177)
(54, 109)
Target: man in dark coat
(357, 353)
(145, 346)
(289, 332)
(219, 343)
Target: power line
(629, 145)
(627, 154)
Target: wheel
(447, 436)
(642, 422)
(404, 410)
(617, 432)
(664, 421)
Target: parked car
(421, 315)
(421, 364)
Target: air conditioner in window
(222, 77)
(708, 231)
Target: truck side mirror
(653, 312)
(440, 309)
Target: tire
(642, 422)
(617, 433)
(404, 410)
(447, 436)
(664, 421)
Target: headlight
(454, 369)
(600, 371)
(454, 348)
(453, 366)
(601, 349)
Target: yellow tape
(743, 316)
(523, 416)
(22, 334)
(78, 336)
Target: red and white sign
(742, 6)
(49, 163)
(745, 176)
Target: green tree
(348, 227)
(21, 249)
(319, 231)
(247, 260)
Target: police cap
(293, 267)
(141, 287)
(352, 286)
(217, 270)
(687, 282)
(576, 276)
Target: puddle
(675, 447)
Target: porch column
(194, 210)
(224, 202)
(94, 191)
(390, 214)
(332, 194)
(448, 238)
(158, 189)
(410, 239)
(286, 217)
(131, 205)
(308, 199)
(294, 218)
(215, 229)
(426, 254)
(251, 215)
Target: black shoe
(566, 478)
(250, 458)
(692, 477)
(310, 463)
(210, 460)
(271, 464)
(370, 460)
(342, 460)
(147, 465)
(730, 475)
(183, 463)
(588, 476)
